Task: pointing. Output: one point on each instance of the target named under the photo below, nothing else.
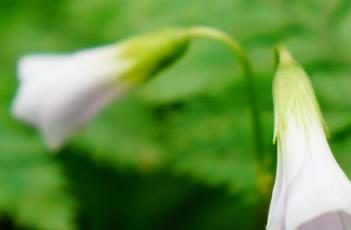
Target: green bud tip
(293, 94)
(152, 53)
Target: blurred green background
(177, 153)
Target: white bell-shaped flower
(311, 191)
(59, 93)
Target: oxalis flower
(58, 93)
(311, 192)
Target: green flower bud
(293, 93)
(152, 53)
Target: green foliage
(190, 124)
(129, 139)
(212, 142)
(33, 187)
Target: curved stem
(206, 32)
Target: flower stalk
(206, 32)
(264, 178)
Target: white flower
(311, 192)
(59, 93)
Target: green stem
(217, 35)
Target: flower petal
(59, 93)
(334, 220)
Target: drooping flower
(311, 191)
(58, 93)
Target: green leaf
(33, 187)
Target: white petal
(309, 183)
(59, 93)
(39, 65)
(65, 113)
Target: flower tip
(20, 111)
(53, 143)
(53, 148)
(284, 56)
(24, 67)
